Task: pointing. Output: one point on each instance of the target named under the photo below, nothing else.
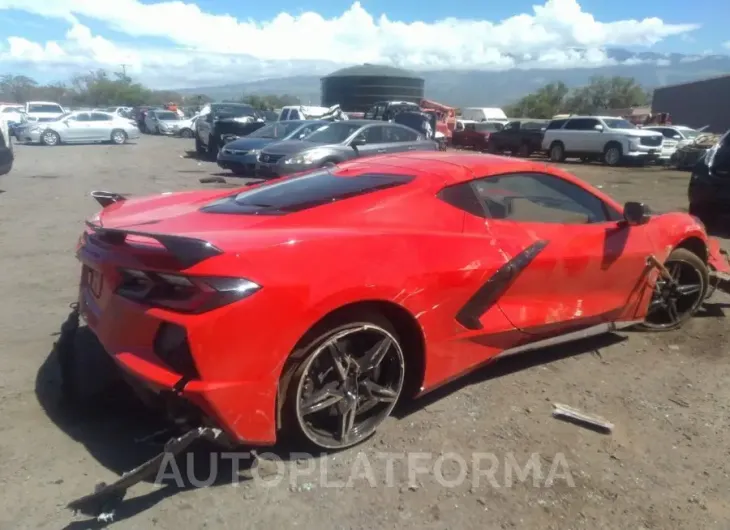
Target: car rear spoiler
(105, 198)
(188, 251)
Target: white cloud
(726, 45)
(211, 48)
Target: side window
(98, 116)
(540, 198)
(284, 115)
(398, 134)
(294, 115)
(374, 135)
(514, 126)
(470, 126)
(581, 124)
(459, 126)
(83, 116)
(556, 124)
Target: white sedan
(81, 127)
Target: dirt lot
(664, 466)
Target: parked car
(709, 185)
(337, 142)
(240, 155)
(305, 308)
(187, 127)
(82, 127)
(475, 135)
(220, 123)
(519, 137)
(301, 112)
(12, 113)
(43, 111)
(675, 136)
(163, 122)
(612, 140)
(6, 148)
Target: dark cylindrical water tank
(357, 88)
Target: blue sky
(214, 41)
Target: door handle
(381, 150)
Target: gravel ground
(664, 466)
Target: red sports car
(309, 305)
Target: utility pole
(124, 69)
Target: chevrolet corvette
(308, 306)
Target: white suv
(613, 140)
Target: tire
(692, 272)
(186, 133)
(524, 151)
(314, 356)
(199, 147)
(50, 138)
(557, 152)
(118, 137)
(212, 147)
(612, 154)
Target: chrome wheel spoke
(672, 310)
(347, 422)
(689, 289)
(375, 355)
(325, 398)
(340, 360)
(378, 392)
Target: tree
(270, 102)
(544, 103)
(18, 88)
(603, 93)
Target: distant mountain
(464, 88)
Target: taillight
(186, 294)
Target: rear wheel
(212, 147)
(557, 152)
(50, 138)
(118, 137)
(673, 303)
(199, 147)
(345, 382)
(186, 133)
(612, 155)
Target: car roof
(451, 167)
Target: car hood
(247, 144)
(289, 147)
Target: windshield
(233, 111)
(39, 107)
(618, 124)
(488, 127)
(277, 130)
(166, 116)
(334, 133)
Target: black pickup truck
(519, 137)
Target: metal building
(357, 88)
(697, 103)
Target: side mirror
(636, 213)
(358, 141)
(599, 128)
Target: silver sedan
(81, 127)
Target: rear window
(41, 107)
(556, 124)
(304, 192)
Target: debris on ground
(571, 415)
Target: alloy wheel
(349, 386)
(119, 137)
(50, 138)
(613, 156)
(673, 301)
